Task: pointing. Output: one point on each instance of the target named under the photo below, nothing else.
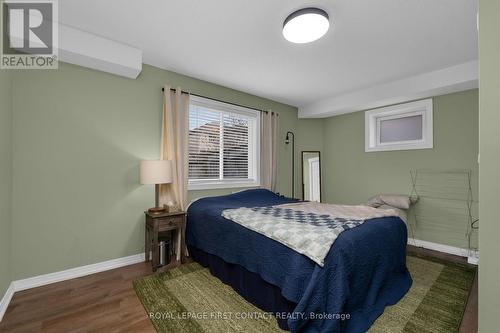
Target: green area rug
(436, 301)
(190, 299)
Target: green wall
(5, 178)
(78, 136)
(351, 175)
(489, 148)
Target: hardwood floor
(106, 302)
(103, 302)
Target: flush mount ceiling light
(306, 25)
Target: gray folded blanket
(399, 202)
(394, 200)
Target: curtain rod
(218, 100)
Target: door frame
(311, 162)
(302, 173)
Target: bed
(363, 271)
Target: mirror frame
(302, 172)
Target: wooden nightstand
(157, 223)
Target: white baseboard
(472, 256)
(67, 274)
(76, 272)
(473, 260)
(4, 303)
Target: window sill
(221, 185)
(396, 146)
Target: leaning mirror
(311, 176)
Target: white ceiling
(238, 43)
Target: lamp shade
(156, 172)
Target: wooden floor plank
(106, 302)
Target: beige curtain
(174, 147)
(269, 149)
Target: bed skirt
(249, 285)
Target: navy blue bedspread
(364, 271)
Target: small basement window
(399, 127)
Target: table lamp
(156, 172)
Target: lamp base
(158, 210)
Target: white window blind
(223, 145)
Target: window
(224, 145)
(400, 127)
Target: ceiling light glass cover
(306, 25)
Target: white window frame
(374, 117)
(253, 147)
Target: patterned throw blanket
(309, 228)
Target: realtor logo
(29, 34)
